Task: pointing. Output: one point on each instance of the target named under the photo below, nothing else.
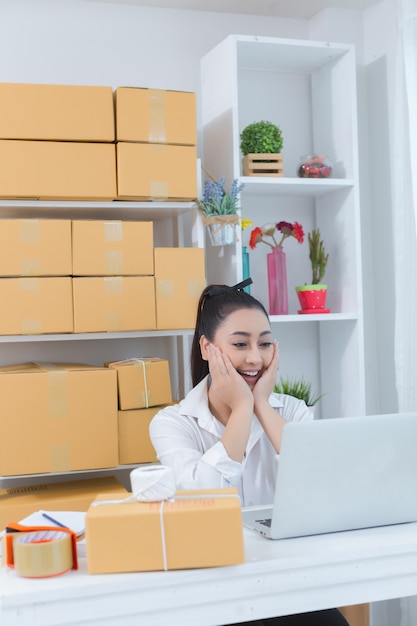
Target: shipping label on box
(156, 116)
(197, 529)
(112, 248)
(114, 303)
(57, 418)
(33, 306)
(179, 280)
(35, 247)
(57, 170)
(156, 172)
(16, 503)
(135, 445)
(56, 112)
(142, 382)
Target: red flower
(298, 232)
(255, 237)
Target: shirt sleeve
(196, 463)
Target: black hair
(216, 303)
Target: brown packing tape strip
(60, 457)
(30, 267)
(113, 261)
(113, 231)
(159, 189)
(29, 231)
(164, 288)
(42, 553)
(157, 116)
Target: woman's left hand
(265, 385)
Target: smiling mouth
(249, 374)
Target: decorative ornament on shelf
(245, 256)
(261, 144)
(219, 209)
(314, 166)
(298, 388)
(312, 297)
(276, 261)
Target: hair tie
(217, 291)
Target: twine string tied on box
(145, 382)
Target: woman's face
(245, 336)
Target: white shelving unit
(175, 225)
(309, 90)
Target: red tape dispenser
(40, 551)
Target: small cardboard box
(112, 248)
(114, 303)
(56, 112)
(135, 444)
(156, 116)
(35, 247)
(179, 280)
(201, 529)
(57, 170)
(16, 503)
(148, 171)
(57, 418)
(142, 382)
(34, 306)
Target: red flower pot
(312, 298)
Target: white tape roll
(152, 484)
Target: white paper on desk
(74, 520)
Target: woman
(228, 429)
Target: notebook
(342, 474)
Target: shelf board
(323, 317)
(93, 210)
(312, 187)
(95, 336)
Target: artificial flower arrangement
(269, 230)
(217, 201)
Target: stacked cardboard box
(35, 283)
(156, 136)
(143, 388)
(57, 142)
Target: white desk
(278, 577)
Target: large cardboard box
(16, 503)
(148, 171)
(33, 306)
(156, 116)
(112, 248)
(57, 170)
(142, 382)
(179, 280)
(56, 112)
(35, 247)
(114, 303)
(57, 417)
(135, 445)
(201, 529)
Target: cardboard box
(114, 304)
(142, 382)
(156, 116)
(200, 531)
(56, 112)
(179, 280)
(148, 171)
(17, 503)
(135, 444)
(35, 247)
(57, 170)
(112, 248)
(33, 306)
(57, 417)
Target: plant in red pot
(312, 297)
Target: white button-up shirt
(186, 437)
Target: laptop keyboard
(265, 522)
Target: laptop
(342, 474)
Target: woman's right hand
(226, 384)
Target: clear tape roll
(41, 554)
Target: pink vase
(277, 282)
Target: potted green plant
(298, 388)
(219, 208)
(312, 297)
(261, 145)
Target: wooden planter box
(263, 165)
